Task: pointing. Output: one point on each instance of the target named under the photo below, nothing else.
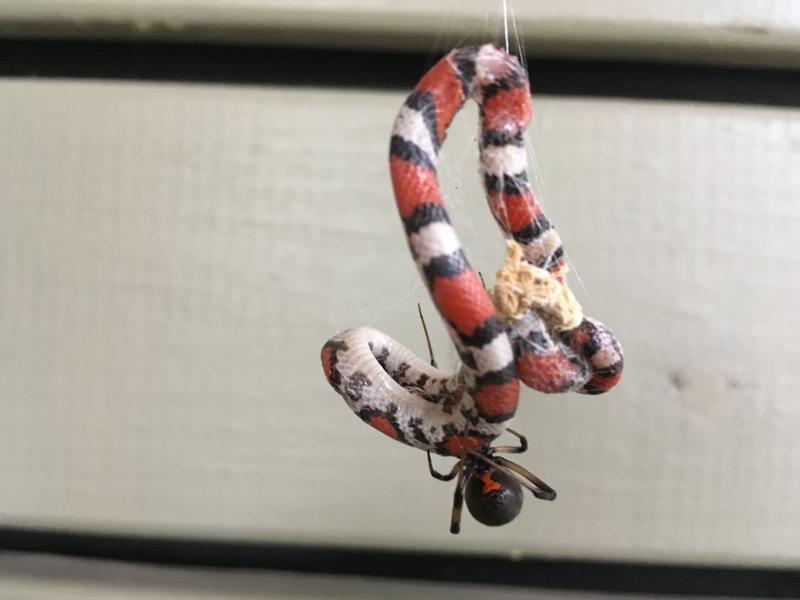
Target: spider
(492, 485)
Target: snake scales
(383, 382)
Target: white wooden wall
(753, 32)
(173, 256)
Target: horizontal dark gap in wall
(428, 566)
(260, 65)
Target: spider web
(462, 190)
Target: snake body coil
(382, 381)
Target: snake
(386, 384)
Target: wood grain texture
(173, 257)
(764, 33)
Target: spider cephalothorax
(492, 485)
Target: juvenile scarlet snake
(400, 394)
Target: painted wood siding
(764, 32)
(173, 256)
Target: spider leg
(523, 444)
(436, 475)
(538, 487)
(530, 481)
(427, 337)
(458, 499)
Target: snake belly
(382, 381)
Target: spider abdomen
(493, 497)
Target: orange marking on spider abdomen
(551, 373)
(385, 426)
(463, 301)
(489, 484)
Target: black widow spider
(492, 485)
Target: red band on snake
(382, 381)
